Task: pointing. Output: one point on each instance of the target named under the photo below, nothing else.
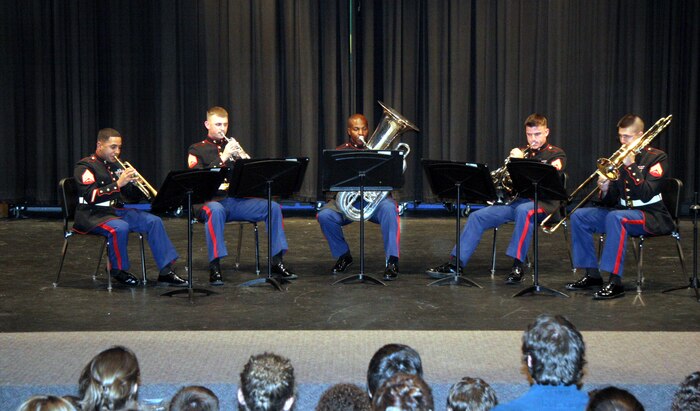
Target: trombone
(140, 182)
(609, 168)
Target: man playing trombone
(217, 150)
(520, 210)
(103, 186)
(630, 205)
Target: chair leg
(143, 261)
(640, 261)
(108, 269)
(257, 249)
(677, 236)
(63, 258)
(105, 244)
(493, 253)
(568, 247)
(238, 246)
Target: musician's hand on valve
(230, 150)
(603, 184)
(127, 176)
(516, 153)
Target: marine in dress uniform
(630, 205)
(332, 220)
(520, 210)
(103, 187)
(216, 151)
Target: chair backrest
(68, 188)
(671, 190)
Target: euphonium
(392, 125)
(609, 168)
(140, 182)
(502, 181)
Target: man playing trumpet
(216, 150)
(630, 205)
(103, 186)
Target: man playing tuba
(630, 205)
(386, 215)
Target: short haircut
(536, 120)
(344, 397)
(629, 120)
(356, 116)
(194, 398)
(267, 382)
(406, 392)
(471, 394)
(217, 111)
(389, 360)
(46, 403)
(613, 399)
(110, 380)
(687, 398)
(105, 133)
(556, 350)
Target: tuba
(392, 125)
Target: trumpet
(609, 168)
(140, 182)
(239, 152)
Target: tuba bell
(392, 125)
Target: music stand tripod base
(266, 280)
(189, 291)
(359, 278)
(537, 289)
(456, 279)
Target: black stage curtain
(466, 72)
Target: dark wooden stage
(30, 250)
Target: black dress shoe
(343, 263)
(516, 276)
(609, 291)
(172, 279)
(215, 277)
(585, 283)
(443, 271)
(125, 277)
(391, 272)
(282, 271)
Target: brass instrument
(392, 125)
(140, 182)
(609, 168)
(502, 181)
(239, 152)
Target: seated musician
(103, 187)
(216, 150)
(630, 205)
(520, 210)
(386, 215)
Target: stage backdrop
(466, 72)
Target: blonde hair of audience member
(46, 403)
(403, 392)
(194, 398)
(110, 381)
(471, 394)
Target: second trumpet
(238, 151)
(140, 182)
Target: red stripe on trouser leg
(523, 234)
(212, 234)
(115, 244)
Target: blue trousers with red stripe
(117, 231)
(215, 214)
(615, 224)
(521, 211)
(386, 215)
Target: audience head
(403, 392)
(389, 360)
(194, 398)
(110, 380)
(46, 403)
(553, 350)
(613, 399)
(344, 397)
(687, 398)
(471, 394)
(267, 384)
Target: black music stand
(267, 177)
(468, 182)
(536, 180)
(694, 281)
(184, 188)
(362, 170)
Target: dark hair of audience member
(389, 360)
(344, 397)
(46, 403)
(687, 398)
(405, 392)
(194, 398)
(110, 380)
(613, 399)
(471, 394)
(554, 351)
(267, 383)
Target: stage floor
(30, 251)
